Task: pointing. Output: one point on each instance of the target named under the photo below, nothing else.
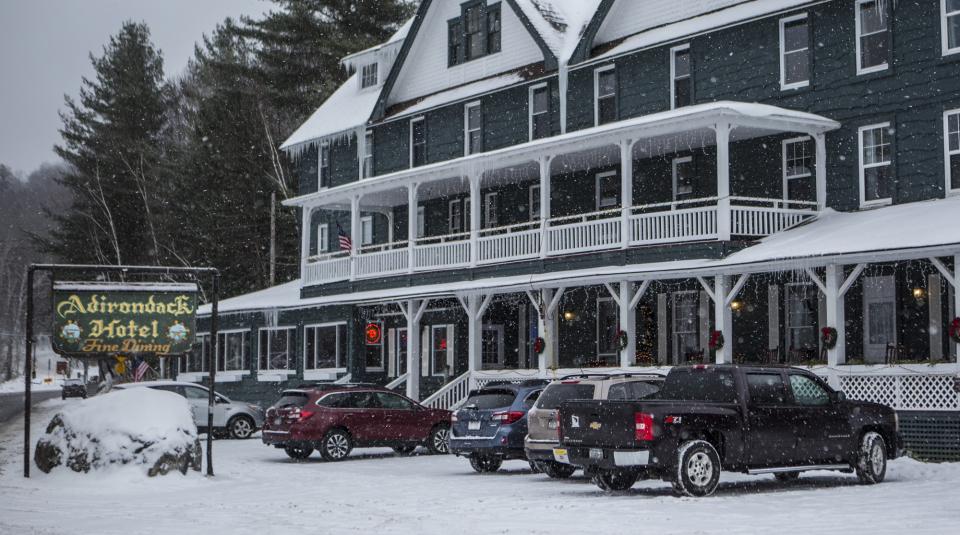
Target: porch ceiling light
(569, 315)
(919, 293)
(736, 305)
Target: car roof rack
(329, 385)
(638, 374)
(535, 382)
(584, 376)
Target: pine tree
(111, 141)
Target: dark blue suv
(492, 424)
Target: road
(11, 405)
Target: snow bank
(141, 426)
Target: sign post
(94, 320)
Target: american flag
(140, 371)
(346, 244)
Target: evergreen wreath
(828, 335)
(621, 340)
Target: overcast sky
(44, 47)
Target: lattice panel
(483, 382)
(903, 392)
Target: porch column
(626, 190)
(956, 296)
(544, 204)
(304, 240)
(546, 304)
(628, 323)
(835, 313)
(356, 236)
(475, 306)
(390, 237)
(724, 318)
(821, 169)
(411, 225)
(723, 180)
(475, 207)
(413, 311)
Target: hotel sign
(95, 319)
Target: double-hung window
(276, 346)
(493, 29)
(368, 75)
(534, 202)
(421, 222)
(325, 165)
(797, 164)
(686, 323)
(455, 217)
(801, 321)
(322, 346)
(473, 22)
(608, 191)
(454, 42)
(876, 169)
(477, 32)
(873, 35)
(682, 177)
(418, 142)
(490, 209)
(473, 128)
(323, 238)
(368, 154)
(232, 351)
(539, 111)
(794, 52)
(605, 95)
(366, 230)
(608, 325)
(950, 26)
(951, 139)
(681, 80)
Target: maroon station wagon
(337, 419)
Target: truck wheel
(872, 459)
(698, 469)
(784, 477)
(615, 480)
(556, 470)
(484, 464)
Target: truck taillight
(507, 417)
(644, 426)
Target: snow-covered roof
(463, 92)
(881, 234)
(655, 32)
(348, 108)
(559, 22)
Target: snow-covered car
(73, 388)
(235, 418)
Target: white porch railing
(442, 252)
(584, 233)
(505, 244)
(651, 224)
(398, 382)
(451, 395)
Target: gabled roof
(560, 23)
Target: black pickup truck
(708, 418)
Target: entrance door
(492, 347)
(879, 317)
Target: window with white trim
(608, 326)
(233, 351)
(418, 142)
(682, 170)
(605, 95)
(951, 141)
(276, 344)
(490, 209)
(681, 79)
(455, 217)
(798, 163)
(873, 35)
(368, 75)
(794, 52)
(323, 238)
(876, 169)
(539, 111)
(473, 129)
(366, 230)
(950, 26)
(608, 190)
(475, 33)
(491, 347)
(421, 222)
(323, 346)
(440, 342)
(325, 164)
(686, 325)
(534, 202)
(401, 351)
(199, 356)
(368, 154)
(802, 306)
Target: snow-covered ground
(258, 490)
(16, 385)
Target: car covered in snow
(335, 419)
(236, 419)
(492, 424)
(73, 388)
(542, 435)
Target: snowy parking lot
(259, 490)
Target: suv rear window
(632, 390)
(292, 399)
(700, 384)
(491, 399)
(557, 393)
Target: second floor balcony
(706, 173)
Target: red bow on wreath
(716, 341)
(539, 345)
(955, 330)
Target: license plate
(596, 453)
(473, 426)
(561, 455)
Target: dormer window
(368, 75)
(475, 33)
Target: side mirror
(221, 400)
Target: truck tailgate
(598, 423)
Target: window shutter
(821, 316)
(705, 324)
(451, 355)
(663, 347)
(935, 304)
(773, 316)
(425, 350)
(391, 352)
